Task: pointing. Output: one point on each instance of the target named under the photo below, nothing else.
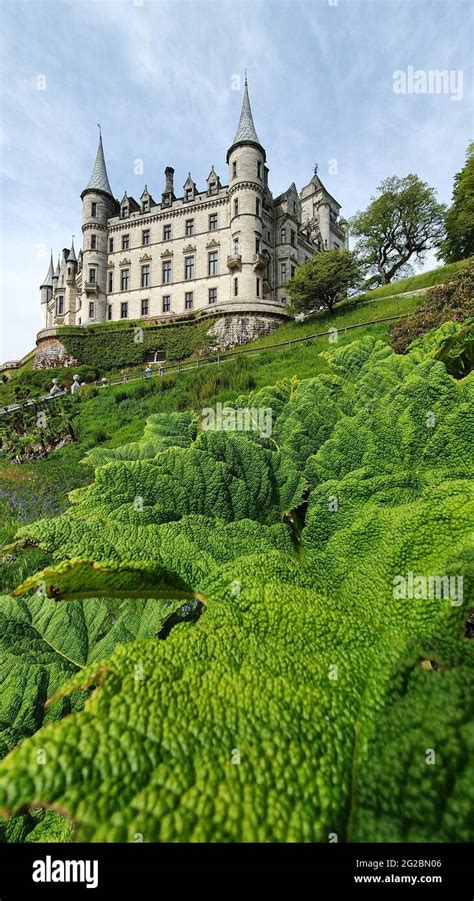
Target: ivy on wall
(104, 346)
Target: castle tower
(98, 204)
(246, 159)
(71, 291)
(56, 276)
(46, 289)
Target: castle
(228, 249)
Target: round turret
(98, 205)
(246, 159)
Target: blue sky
(159, 75)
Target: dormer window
(125, 211)
(145, 206)
(213, 188)
(189, 194)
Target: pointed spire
(99, 180)
(58, 268)
(246, 128)
(72, 253)
(48, 281)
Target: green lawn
(415, 282)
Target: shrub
(453, 301)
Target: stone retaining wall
(50, 353)
(231, 331)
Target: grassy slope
(415, 282)
(117, 414)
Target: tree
(400, 225)
(459, 242)
(323, 280)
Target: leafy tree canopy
(459, 242)
(397, 227)
(323, 280)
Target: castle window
(188, 268)
(257, 287)
(234, 170)
(167, 233)
(213, 266)
(189, 194)
(93, 242)
(257, 245)
(213, 188)
(283, 236)
(124, 280)
(60, 305)
(125, 211)
(188, 300)
(166, 272)
(257, 207)
(145, 305)
(236, 287)
(91, 310)
(69, 268)
(236, 247)
(93, 210)
(145, 276)
(282, 273)
(259, 169)
(124, 310)
(236, 206)
(166, 303)
(92, 274)
(212, 295)
(125, 242)
(293, 270)
(109, 312)
(111, 282)
(189, 227)
(146, 237)
(213, 222)
(292, 237)
(111, 245)
(145, 206)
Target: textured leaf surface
(304, 699)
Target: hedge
(106, 347)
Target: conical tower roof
(246, 132)
(48, 280)
(99, 180)
(246, 128)
(72, 254)
(57, 270)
